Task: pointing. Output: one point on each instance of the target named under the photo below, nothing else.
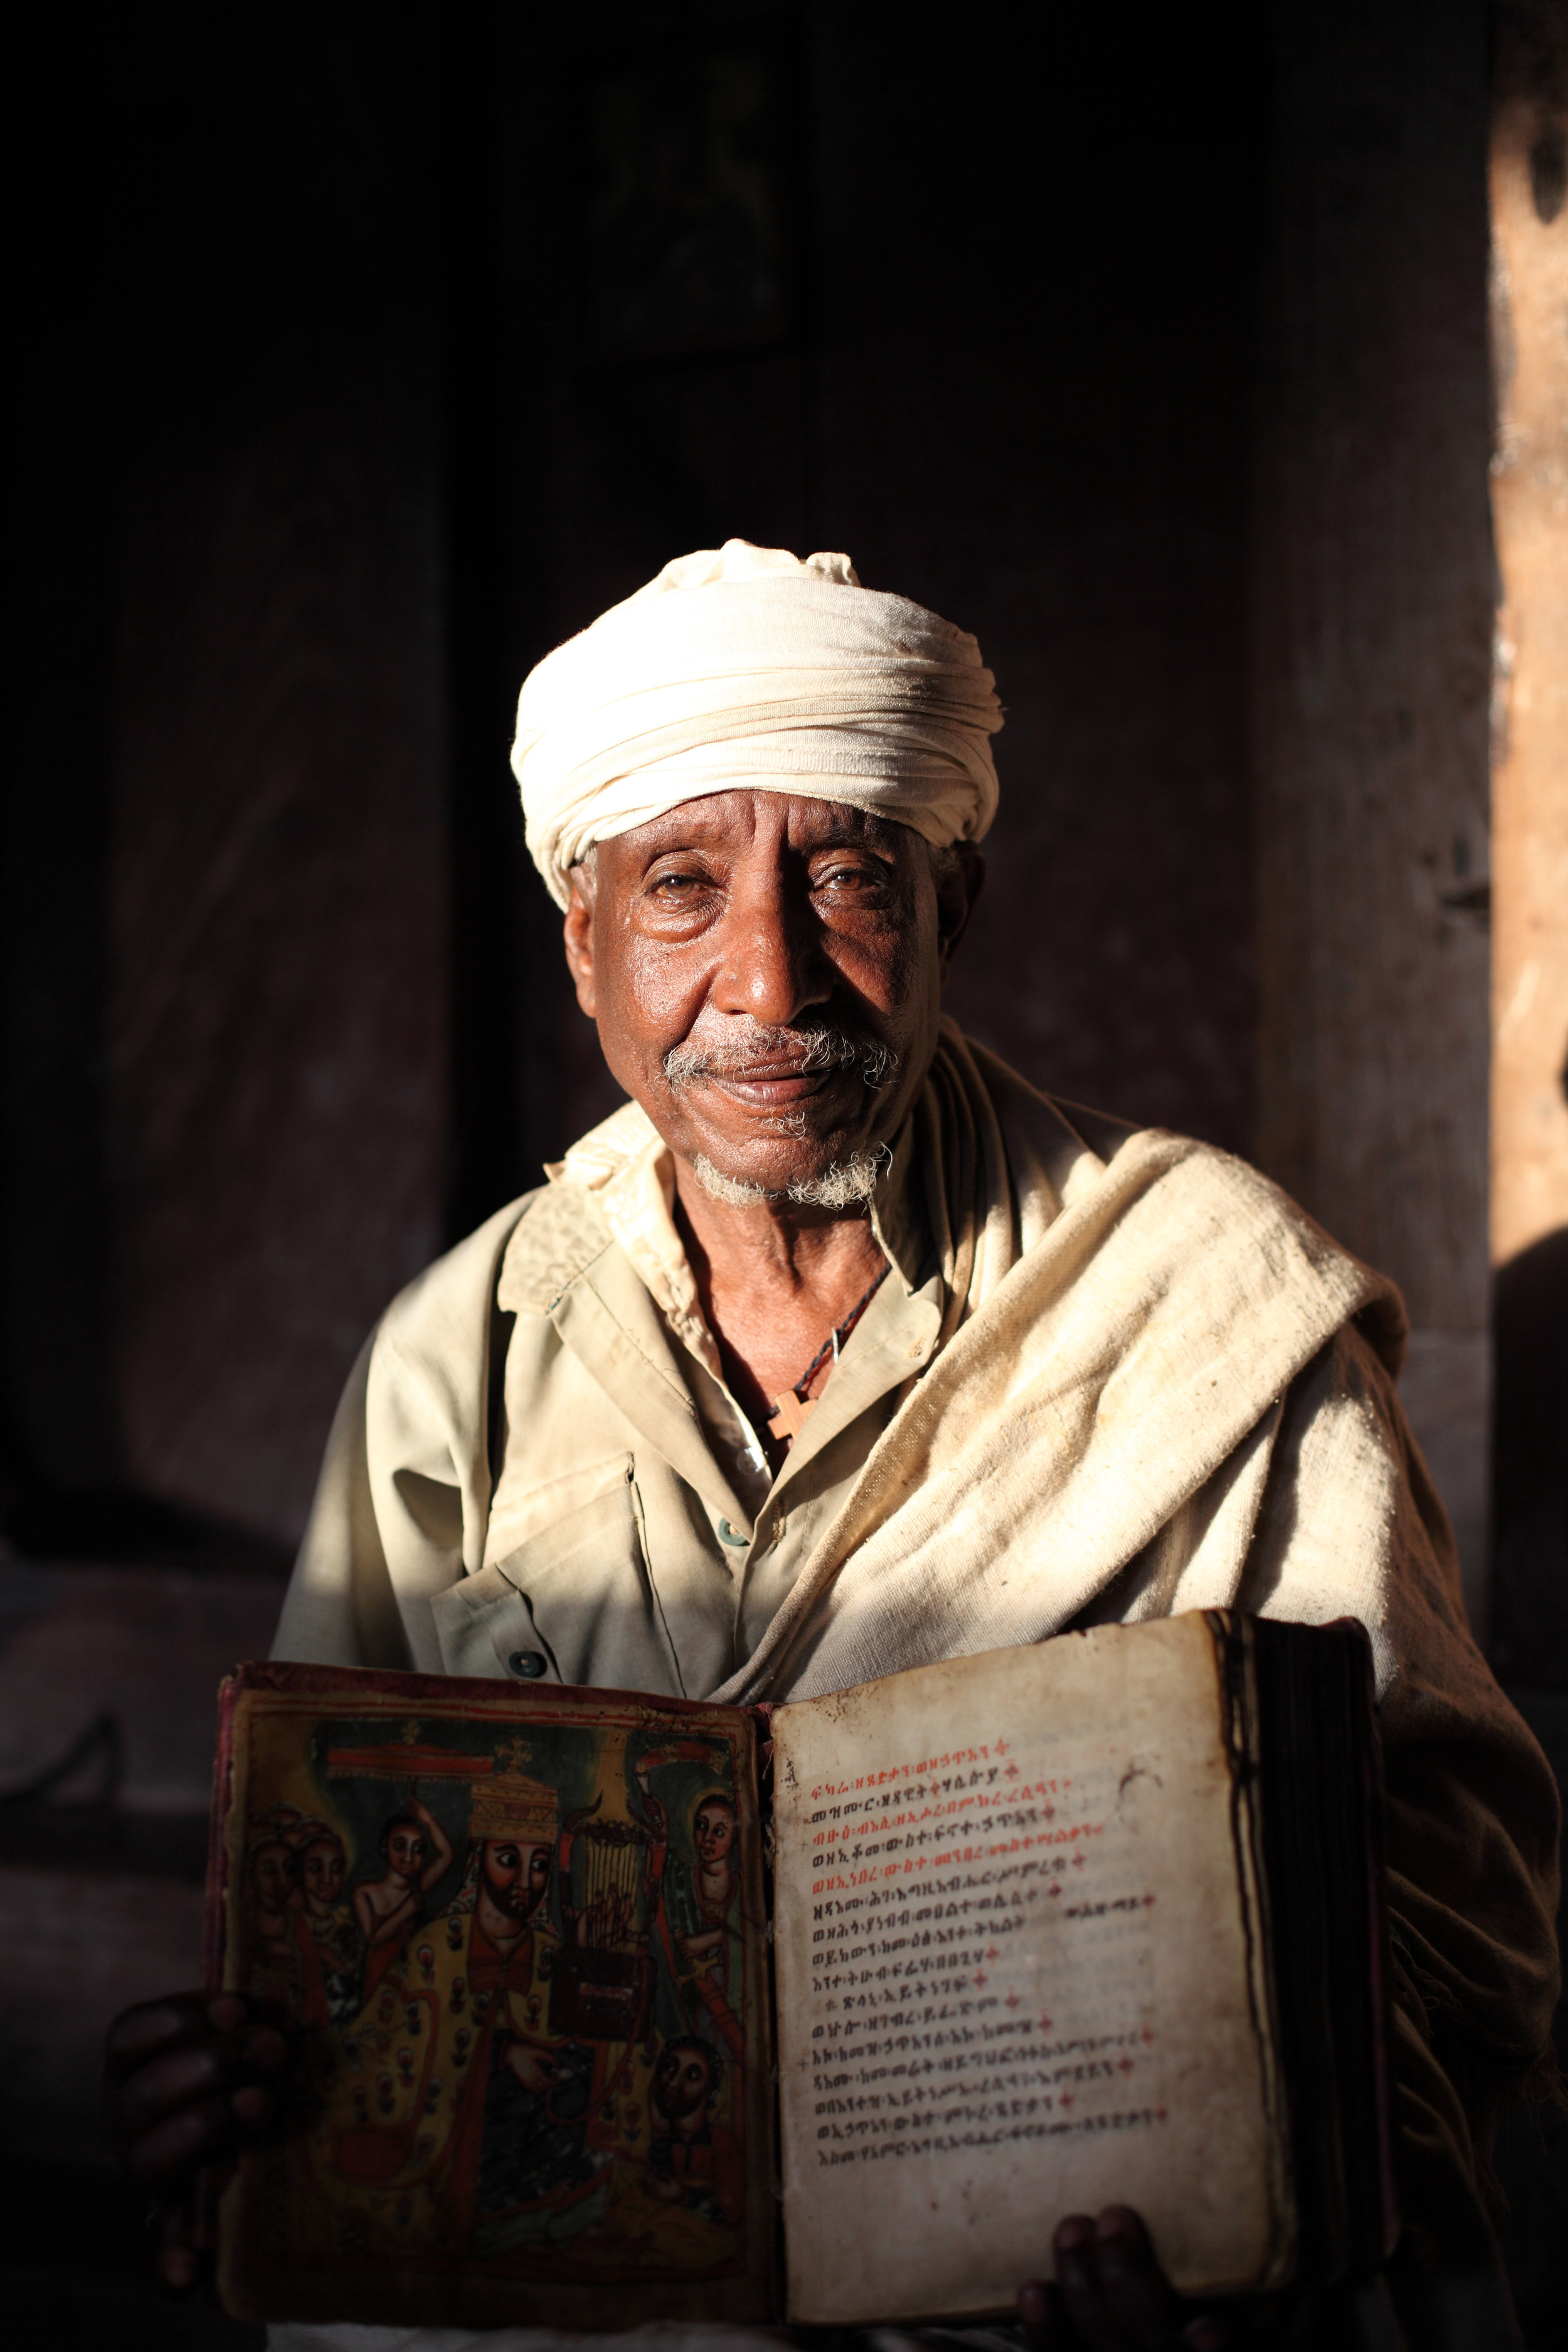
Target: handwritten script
(981, 1957)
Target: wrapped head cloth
(743, 665)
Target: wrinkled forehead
(745, 819)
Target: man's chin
(835, 1180)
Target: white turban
(743, 666)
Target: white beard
(843, 1186)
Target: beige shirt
(635, 1536)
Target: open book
(613, 2007)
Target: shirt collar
(629, 1169)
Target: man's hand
(1110, 2294)
(188, 2082)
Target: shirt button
(727, 1534)
(529, 1664)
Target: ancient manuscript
(1051, 1928)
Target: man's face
(516, 1876)
(323, 1872)
(789, 955)
(681, 2083)
(405, 1852)
(714, 1832)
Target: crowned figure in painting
(455, 2106)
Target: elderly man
(839, 1349)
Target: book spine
(216, 1913)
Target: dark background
(338, 427)
(361, 355)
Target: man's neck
(786, 1248)
(775, 1281)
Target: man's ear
(957, 889)
(577, 934)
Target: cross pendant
(787, 1418)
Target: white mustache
(806, 1051)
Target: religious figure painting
(510, 1942)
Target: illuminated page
(519, 1940)
(1013, 1978)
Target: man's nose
(772, 965)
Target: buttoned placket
(890, 1347)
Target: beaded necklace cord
(788, 1416)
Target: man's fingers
(1040, 2318)
(1136, 2293)
(180, 2260)
(136, 2034)
(164, 2084)
(192, 2071)
(1078, 2281)
(172, 2151)
(187, 2242)
(155, 2025)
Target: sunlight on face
(766, 972)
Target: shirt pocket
(575, 1592)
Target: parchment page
(1012, 1977)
